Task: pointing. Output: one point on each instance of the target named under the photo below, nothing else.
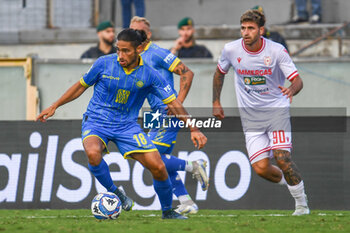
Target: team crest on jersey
(239, 59)
(267, 61)
(139, 84)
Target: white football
(106, 206)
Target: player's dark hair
(136, 37)
(253, 16)
(142, 34)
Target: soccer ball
(106, 206)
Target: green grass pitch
(81, 221)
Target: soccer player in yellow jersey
(121, 83)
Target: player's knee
(94, 160)
(282, 165)
(159, 170)
(283, 159)
(259, 169)
(94, 156)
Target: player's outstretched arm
(293, 89)
(198, 138)
(218, 82)
(186, 77)
(72, 93)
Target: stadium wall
(42, 165)
(326, 85)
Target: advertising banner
(43, 165)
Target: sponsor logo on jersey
(255, 80)
(168, 59)
(267, 61)
(263, 91)
(110, 77)
(239, 59)
(167, 88)
(261, 72)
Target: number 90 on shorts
(260, 144)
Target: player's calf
(288, 167)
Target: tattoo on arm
(181, 69)
(288, 167)
(218, 82)
(186, 77)
(185, 86)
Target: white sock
(189, 166)
(282, 181)
(297, 191)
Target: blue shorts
(164, 139)
(129, 138)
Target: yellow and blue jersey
(163, 61)
(119, 94)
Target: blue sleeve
(167, 60)
(161, 88)
(93, 74)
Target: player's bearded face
(127, 54)
(250, 33)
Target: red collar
(257, 52)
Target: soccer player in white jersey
(261, 67)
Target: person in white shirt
(261, 67)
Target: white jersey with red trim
(258, 74)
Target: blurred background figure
(106, 36)
(302, 11)
(272, 35)
(127, 11)
(185, 46)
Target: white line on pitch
(195, 215)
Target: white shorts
(271, 136)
